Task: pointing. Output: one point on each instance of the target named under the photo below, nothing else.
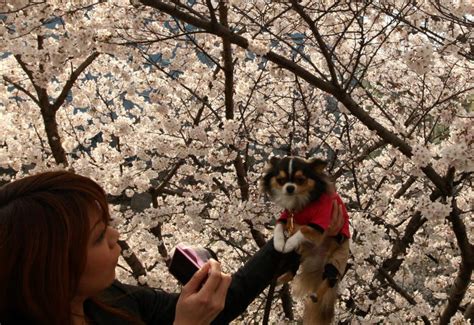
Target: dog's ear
(274, 161)
(271, 164)
(318, 165)
(264, 183)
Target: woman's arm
(159, 307)
(155, 306)
(250, 280)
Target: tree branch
(41, 92)
(463, 278)
(327, 56)
(72, 79)
(132, 260)
(337, 92)
(21, 88)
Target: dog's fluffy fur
(293, 183)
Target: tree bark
(52, 133)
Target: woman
(58, 257)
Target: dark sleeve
(151, 306)
(250, 280)
(158, 307)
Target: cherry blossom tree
(174, 107)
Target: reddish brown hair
(44, 230)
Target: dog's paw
(293, 242)
(289, 247)
(279, 243)
(279, 237)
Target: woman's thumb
(194, 283)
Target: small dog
(306, 194)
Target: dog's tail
(322, 311)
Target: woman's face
(102, 256)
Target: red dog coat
(319, 213)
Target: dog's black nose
(290, 189)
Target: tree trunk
(54, 140)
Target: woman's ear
(318, 165)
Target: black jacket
(158, 307)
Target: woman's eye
(101, 236)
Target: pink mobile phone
(186, 260)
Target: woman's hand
(200, 305)
(337, 220)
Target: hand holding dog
(337, 220)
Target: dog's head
(293, 182)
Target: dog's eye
(281, 181)
(300, 180)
